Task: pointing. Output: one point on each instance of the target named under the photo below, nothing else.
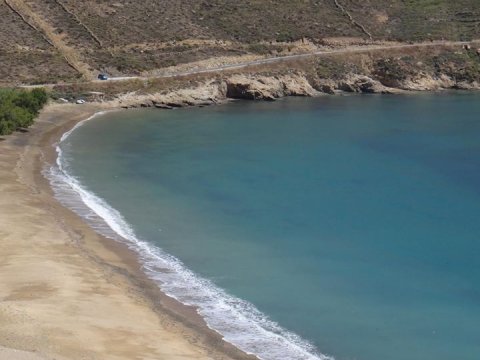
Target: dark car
(102, 77)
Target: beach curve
(237, 321)
(66, 292)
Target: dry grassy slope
(127, 36)
(254, 20)
(25, 55)
(418, 19)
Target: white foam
(238, 321)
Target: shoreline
(27, 155)
(24, 160)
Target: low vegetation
(18, 108)
(130, 37)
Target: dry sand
(68, 293)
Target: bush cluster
(18, 108)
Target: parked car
(102, 77)
(80, 101)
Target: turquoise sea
(346, 226)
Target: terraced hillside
(68, 39)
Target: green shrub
(18, 108)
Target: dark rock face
(327, 89)
(247, 91)
(366, 86)
(361, 84)
(241, 91)
(347, 87)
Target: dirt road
(278, 59)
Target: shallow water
(352, 222)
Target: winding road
(279, 59)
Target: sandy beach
(65, 291)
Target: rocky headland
(372, 73)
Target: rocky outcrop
(264, 87)
(364, 84)
(455, 68)
(251, 87)
(211, 92)
(353, 83)
(429, 82)
(424, 82)
(267, 88)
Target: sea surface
(346, 226)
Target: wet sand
(65, 291)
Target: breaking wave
(236, 320)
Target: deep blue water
(351, 221)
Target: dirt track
(278, 59)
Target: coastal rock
(434, 81)
(347, 87)
(162, 106)
(327, 89)
(244, 87)
(364, 84)
(463, 85)
(210, 92)
(425, 82)
(297, 85)
(267, 88)
(368, 85)
(324, 86)
(181, 103)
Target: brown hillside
(129, 37)
(25, 55)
